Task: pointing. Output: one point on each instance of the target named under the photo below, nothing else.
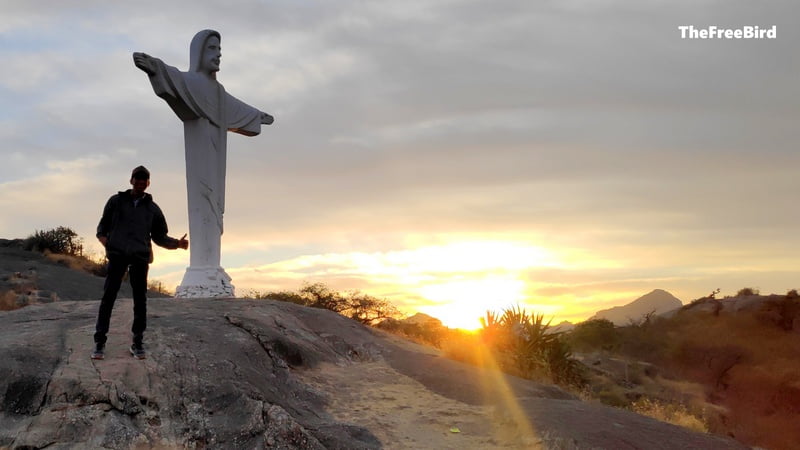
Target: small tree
(368, 309)
(355, 305)
(318, 295)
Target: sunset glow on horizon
(456, 282)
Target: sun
(461, 303)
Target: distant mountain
(422, 319)
(563, 327)
(659, 301)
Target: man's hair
(140, 173)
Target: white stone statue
(208, 113)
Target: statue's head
(205, 52)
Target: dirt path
(404, 414)
(413, 396)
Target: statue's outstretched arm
(145, 62)
(266, 119)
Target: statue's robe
(207, 112)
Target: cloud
(586, 127)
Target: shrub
(564, 370)
(710, 363)
(612, 396)
(747, 292)
(674, 413)
(782, 312)
(60, 240)
(318, 295)
(281, 296)
(644, 341)
(593, 335)
(367, 309)
(8, 300)
(358, 306)
(159, 288)
(464, 347)
(522, 344)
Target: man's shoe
(137, 351)
(99, 351)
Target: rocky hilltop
(36, 278)
(267, 374)
(658, 301)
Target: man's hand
(183, 242)
(103, 240)
(266, 119)
(144, 62)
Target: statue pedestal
(205, 282)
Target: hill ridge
(658, 301)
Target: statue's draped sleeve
(189, 97)
(241, 117)
(169, 84)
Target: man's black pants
(137, 274)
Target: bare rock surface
(218, 374)
(265, 374)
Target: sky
(450, 156)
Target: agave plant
(515, 318)
(563, 368)
(491, 321)
(490, 332)
(524, 343)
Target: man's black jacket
(131, 226)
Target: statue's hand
(144, 62)
(266, 119)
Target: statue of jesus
(207, 112)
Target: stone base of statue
(205, 282)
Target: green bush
(747, 292)
(564, 370)
(60, 240)
(597, 334)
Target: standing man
(131, 219)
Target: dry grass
(160, 288)
(735, 374)
(94, 266)
(8, 301)
(463, 348)
(749, 368)
(674, 413)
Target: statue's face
(212, 53)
